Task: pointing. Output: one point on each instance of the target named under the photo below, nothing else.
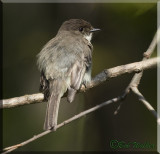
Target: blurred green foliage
(127, 30)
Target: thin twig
(14, 147)
(100, 78)
(146, 103)
(137, 77)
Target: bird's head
(79, 27)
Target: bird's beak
(94, 30)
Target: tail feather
(57, 88)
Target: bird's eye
(81, 29)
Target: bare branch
(152, 46)
(100, 78)
(11, 148)
(147, 104)
(23, 100)
(137, 77)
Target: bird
(65, 64)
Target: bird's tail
(57, 88)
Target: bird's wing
(77, 72)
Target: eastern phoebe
(65, 64)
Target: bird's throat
(88, 37)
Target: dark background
(127, 30)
